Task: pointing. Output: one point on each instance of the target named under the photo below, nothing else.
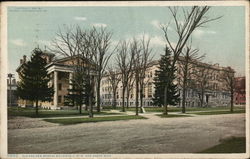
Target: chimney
(24, 58)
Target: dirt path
(153, 135)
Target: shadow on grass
(173, 115)
(231, 145)
(43, 113)
(70, 121)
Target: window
(59, 86)
(59, 99)
(149, 90)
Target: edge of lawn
(217, 112)
(71, 121)
(230, 145)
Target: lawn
(69, 121)
(43, 113)
(173, 115)
(232, 145)
(175, 109)
(219, 112)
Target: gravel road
(153, 135)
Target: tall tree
(146, 59)
(80, 46)
(114, 78)
(124, 60)
(163, 76)
(187, 64)
(135, 49)
(34, 80)
(228, 78)
(192, 19)
(101, 58)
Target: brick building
(240, 91)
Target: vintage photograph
(129, 78)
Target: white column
(70, 80)
(55, 89)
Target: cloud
(154, 40)
(80, 18)
(100, 25)
(199, 33)
(18, 42)
(156, 24)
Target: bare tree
(101, 57)
(114, 78)
(135, 49)
(203, 75)
(80, 46)
(146, 58)
(228, 78)
(124, 61)
(192, 19)
(187, 65)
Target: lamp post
(10, 76)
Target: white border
(3, 65)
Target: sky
(223, 40)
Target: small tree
(124, 60)
(163, 77)
(34, 80)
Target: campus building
(61, 72)
(215, 93)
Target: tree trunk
(80, 109)
(127, 97)
(165, 100)
(232, 101)
(136, 97)
(141, 100)
(36, 107)
(98, 96)
(184, 98)
(123, 99)
(114, 100)
(91, 107)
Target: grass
(69, 121)
(219, 112)
(175, 109)
(43, 113)
(173, 115)
(232, 145)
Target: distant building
(240, 91)
(214, 95)
(61, 72)
(11, 92)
